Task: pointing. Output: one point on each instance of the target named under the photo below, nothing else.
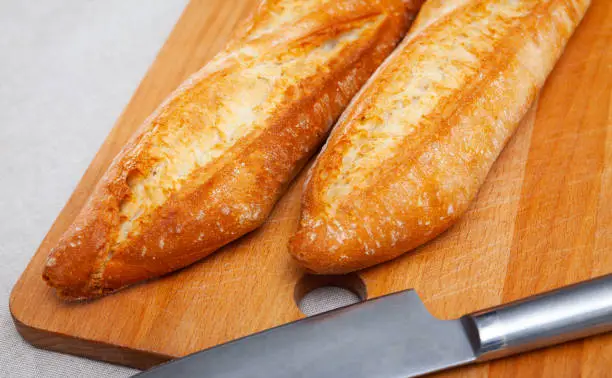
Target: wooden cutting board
(542, 220)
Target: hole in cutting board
(317, 294)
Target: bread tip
(317, 254)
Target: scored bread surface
(210, 163)
(415, 145)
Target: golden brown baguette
(415, 145)
(210, 163)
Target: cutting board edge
(92, 349)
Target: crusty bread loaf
(415, 145)
(210, 163)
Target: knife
(395, 336)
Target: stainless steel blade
(388, 337)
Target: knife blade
(395, 336)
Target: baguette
(210, 163)
(414, 146)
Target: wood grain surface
(542, 220)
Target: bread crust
(414, 146)
(203, 169)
